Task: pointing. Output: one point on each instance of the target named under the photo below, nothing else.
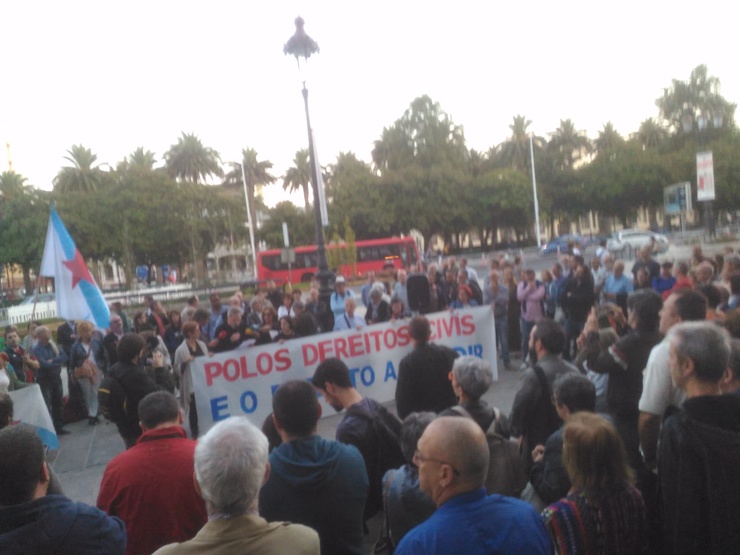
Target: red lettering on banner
(282, 359)
(404, 337)
(264, 363)
(213, 370)
(468, 324)
(392, 343)
(245, 369)
(310, 355)
(373, 335)
(231, 370)
(355, 345)
(326, 349)
(447, 327)
(340, 347)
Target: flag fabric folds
(77, 294)
(29, 408)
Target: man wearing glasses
(452, 457)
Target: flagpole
(250, 223)
(534, 192)
(35, 299)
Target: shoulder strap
(462, 411)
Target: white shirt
(658, 390)
(346, 322)
(4, 381)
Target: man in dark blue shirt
(452, 457)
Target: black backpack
(385, 444)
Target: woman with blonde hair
(87, 361)
(603, 512)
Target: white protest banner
(241, 382)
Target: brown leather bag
(87, 369)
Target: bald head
(704, 272)
(453, 457)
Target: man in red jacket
(150, 486)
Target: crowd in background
(624, 436)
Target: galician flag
(78, 296)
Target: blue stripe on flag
(48, 437)
(65, 240)
(96, 303)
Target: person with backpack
(471, 377)
(127, 383)
(313, 481)
(531, 294)
(533, 416)
(367, 425)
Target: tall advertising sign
(704, 176)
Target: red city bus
(374, 254)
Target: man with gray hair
(230, 468)
(699, 449)
(49, 376)
(471, 378)
(231, 333)
(452, 458)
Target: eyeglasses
(419, 458)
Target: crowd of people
(624, 435)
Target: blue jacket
(321, 484)
(478, 524)
(54, 524)
(50, 363)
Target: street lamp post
(704, 158)
(301, 45)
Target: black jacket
(137, 384)
(698, 462)
(423, 380)
(578, 297)
(384, 313)
(624, 361)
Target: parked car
(40, 298)
(635, 239)
(560, 244)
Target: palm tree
(257, 172)
(141, 159)
(190, 161)
(12, 184)
(299, 176)
(568, 144)
(651, 134)
(83, 176)
(514, 152)
(608, 139)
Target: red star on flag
(79, 269)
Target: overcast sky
(115, 75)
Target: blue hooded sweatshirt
(322, 484)
(55, 524)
